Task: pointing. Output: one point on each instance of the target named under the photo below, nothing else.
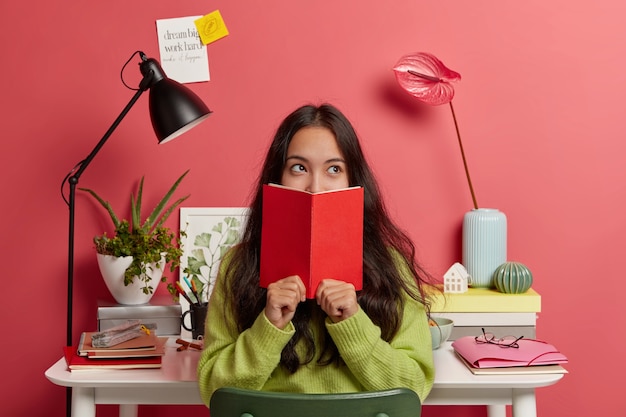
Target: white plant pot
(112, 269)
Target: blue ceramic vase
(484, 245)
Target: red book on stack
(76, 362)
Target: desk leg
(128, 410)
(524, 403)
(496, 410)
(83, 402)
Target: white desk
(175, 383)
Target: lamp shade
(174, 109)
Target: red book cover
(76, 362)
(312, 235)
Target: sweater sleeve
(230, 358)
(405, 361)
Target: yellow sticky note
(211, 27)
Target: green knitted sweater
(250, 359)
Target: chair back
(236, 402)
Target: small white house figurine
(456, 280)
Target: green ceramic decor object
(512, 278)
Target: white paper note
(183, 56)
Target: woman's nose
(314, 185)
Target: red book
(315, 236)
(76, 362)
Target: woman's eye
(298, 168)
(334, 169)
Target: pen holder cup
(198, 317)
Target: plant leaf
(425, 77)
(194, 265)
(133, 215)
(135, 207)
(151, 221)
(199, 255)
(106, 205)
(231, 237)
(224, 249)
(232, 222)
(169, 211)
(203, 240)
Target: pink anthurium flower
(426, 78)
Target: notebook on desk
(490, 355)
(76, 362)
(514, 370)
(142, 343)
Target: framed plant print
(207, 233)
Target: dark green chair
(236, 402)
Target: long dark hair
(384, 244)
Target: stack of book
(145, 351)
(528, 357)
(489, 308)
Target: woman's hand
(337, 299)
(283, 297)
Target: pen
(195, 291)
(192, 287)
(182, 292)
(187, 281)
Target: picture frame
(207, 233)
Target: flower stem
(467, 174)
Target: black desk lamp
(174, 109)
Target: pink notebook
(487, 355)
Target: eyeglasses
(505, 342)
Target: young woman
(275, 339)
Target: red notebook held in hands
(312, 235)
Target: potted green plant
(139, 249)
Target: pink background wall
(540, 108)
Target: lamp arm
(73, 182)
(109, 132)
(152, 75)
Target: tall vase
(113, 268)
(484, 245)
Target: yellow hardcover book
(485, 300)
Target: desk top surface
(179, 369)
